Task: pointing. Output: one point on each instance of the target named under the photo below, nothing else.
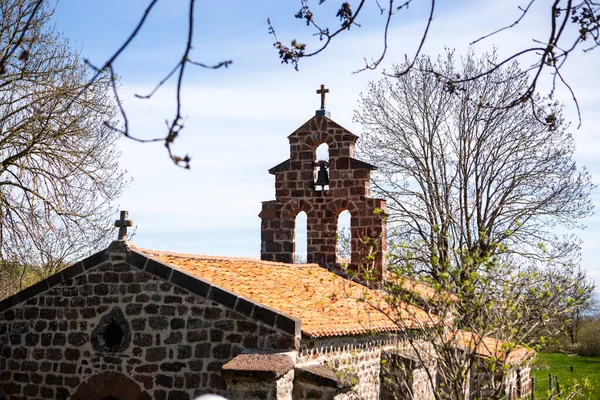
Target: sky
(237, 119)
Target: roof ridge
(221, 258)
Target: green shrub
(588, 343)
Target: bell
(322, 176)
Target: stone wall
(359, 357)
(116, 318)
(261, 389)
(405, 377)
(348, 190)
(308, 391)
(516, 382)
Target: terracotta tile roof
(489, 347)
(326, 303)
(423, 290)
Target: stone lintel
(262, 366)
(323, 375)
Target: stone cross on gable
(322, 92)
(123, 224)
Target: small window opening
(321, 171)
(113, 335)
(344, 238)
(301, 239)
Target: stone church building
(134, 324)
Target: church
(133, 324)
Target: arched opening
(343, 244)
(301, 238)
(322, 152)
(109, 386)
(321, 168)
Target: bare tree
(58, 164)
(465, 180)
(476, 193)
(572, 25)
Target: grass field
(585, 376)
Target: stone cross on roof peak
(321, 112)
(123, 223)
(322, 92)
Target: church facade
(133, 324)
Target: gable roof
(286, 296)
(53, 280)
(325, 303)
(489, 347)
(317, 122)
(425, 292)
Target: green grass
(585, 377)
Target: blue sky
(237, 119)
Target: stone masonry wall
(359, 356)
(254, 389)
(348, 190)
(308, 391)
(518, 381)
(516, 385)
(174, 342)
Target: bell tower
(323, 189)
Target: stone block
(193, 285)
(174, 338)
(184, 352)
(222, 297)
(197, 336)
(203, 350)
(158, 269)
(142, 339)
(164, 380)
(156, 354)
(101, 289)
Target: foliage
(583, 381)
(58, 163)
(344, 243)
(588, 337)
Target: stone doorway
(110, 386)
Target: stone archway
(109, 386)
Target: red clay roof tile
(488, 347)
(326, 303)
